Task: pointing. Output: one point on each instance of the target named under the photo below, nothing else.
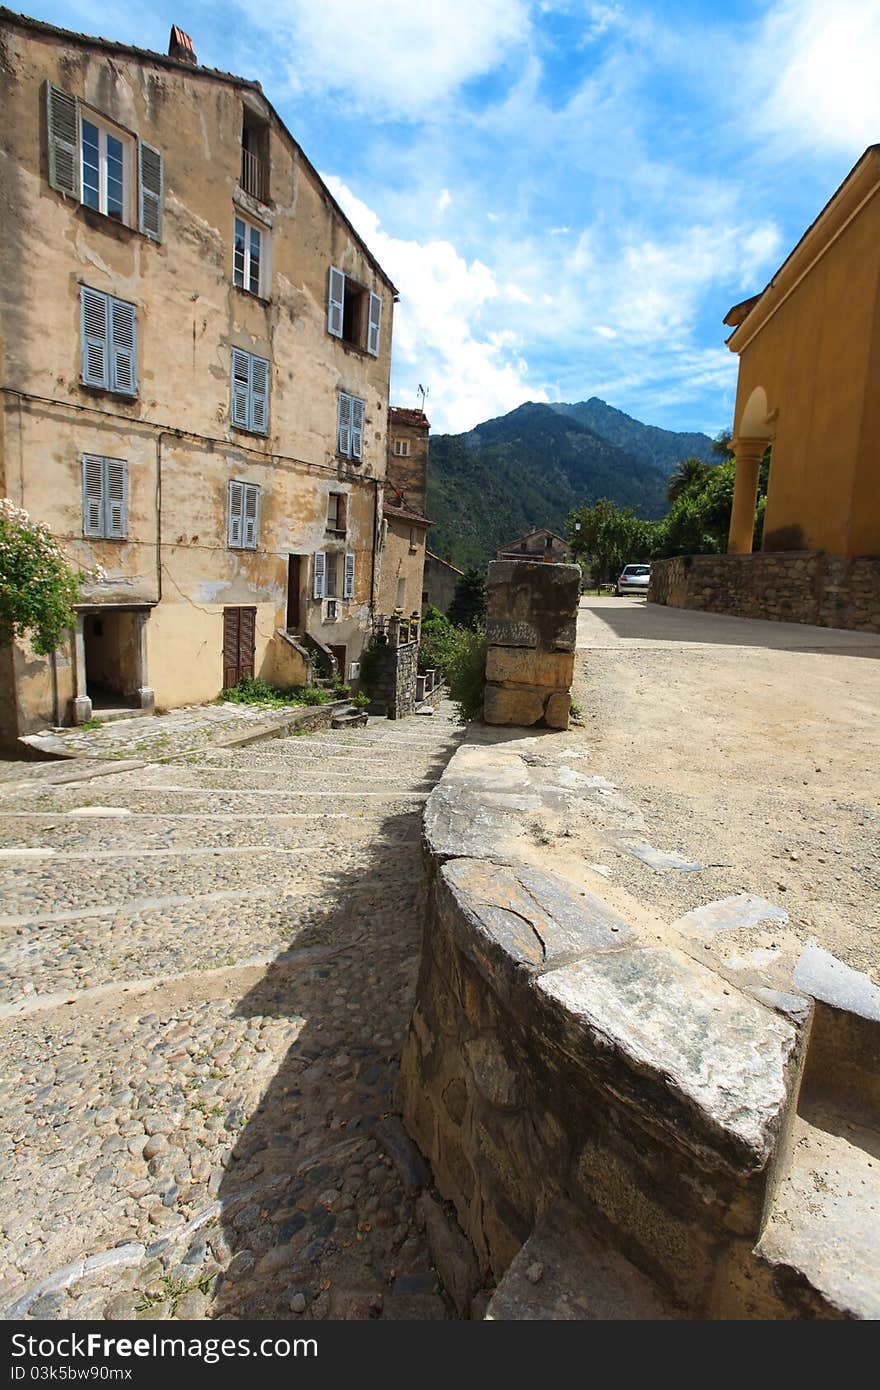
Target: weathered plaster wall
(440, 581)
(403, 557)
(810, 587)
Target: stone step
(565, 1272)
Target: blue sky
(568, 195)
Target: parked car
(633, 579)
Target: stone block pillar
(531, 625)
(81, 704)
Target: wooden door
(239, 642)
(339, 653)
(293, 581)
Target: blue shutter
(320, 586)
(115, 499)
(62, 128)
(259, 402)
(95, 334)
(357, 428)
(151, 191)
(93, 495)
(343, 427)
(251, 523)
(123, 347)
(335, 302)
(375, 324)
(348, 577)
(236, 514)
(241, 362)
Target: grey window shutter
(241, 363)
(375, 325)
(343, 428)
(259, 395)
(251, 516)
(123, 347)
(320, 574)
(62, 126)
(335, 302)
(357, 429)
(236, 513)
(93, 495)
(348, 577)
(115, 499)
(95, 326)
(151, 191)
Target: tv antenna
(424, 393)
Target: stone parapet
(785, 586)
(531, 627)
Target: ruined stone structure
(793, 587)
(539, 544)
(631, 1124)
(531, 622)
(440, 582)
(195, 363)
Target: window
(102, 166)
(109, 342)
(244, 515)
(413, 540)
(250, 392)
(326, 575)
(401, 448)
(249, 252)
(105, 497)
(350, 427)
(353, 314)
(336, 512)
(255, 156)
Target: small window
(243, 516)
(106, 170)
(249, 252)
(255, 157)
(336, 512)
(331, 574)
(105, 497)
(354, 314)
(350, 427)
(250, 392)
(401, 448)
(109, 342)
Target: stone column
(749, 453)
(531, 625)
(146, 699)
(81, 704)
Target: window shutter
(62, 126)
(320, 574)
(336, 299)
(151, 191)
(93, 495)
(115, 499)
(375, 325)
(343, 432)
(236, 513)
(348, 577)
(251, 516)
(240, 388)
(95, 356)
(260, 395)
(123, 347)
(357, 429)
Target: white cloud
(815, 70)
(394, 56)
(444, 200)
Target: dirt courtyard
(753, 747)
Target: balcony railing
(254, 176)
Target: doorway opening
(294, 576)
(112, 658)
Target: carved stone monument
(531, 624)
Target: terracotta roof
(148, 55)
(405, 515)
(409, 417)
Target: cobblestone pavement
(206, 972)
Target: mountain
(530, 468)
(664, 448)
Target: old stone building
(439, 582)
(194, 361)
(539, 544)
(404, 525)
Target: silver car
(633, 579)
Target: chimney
(180, 46)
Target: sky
(569, 196)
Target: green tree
(609, 537)
(690, 473)
(37, 586)
(468, 606)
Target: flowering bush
(37, 586)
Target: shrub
(37, 587)
(253, 690)
(465, 670)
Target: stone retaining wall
(787, 586)
(531, 627)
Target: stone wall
(787, 586)
(395, 669)
(531, 626)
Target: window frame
(369, 312)
(108, 130)
(261, 292)
(105, 530)
(349, 451)
(340, 527)
(252, 396)
(247, 489)
(115, 350)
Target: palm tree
(690, 473)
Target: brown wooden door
(239, 642)
(339, 653)
(293, 579)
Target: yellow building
(405, 525)
(809, 384)
(195, 357)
